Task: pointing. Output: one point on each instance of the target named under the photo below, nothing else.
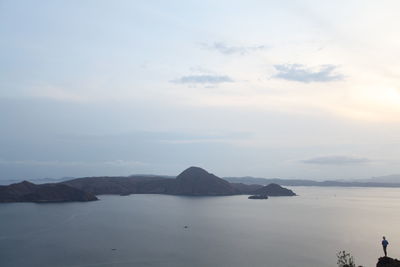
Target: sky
(287, 89)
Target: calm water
(148, 230)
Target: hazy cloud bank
(336, 160)
(231, 50)
(203, 79)
(70, 163)
(302, 73)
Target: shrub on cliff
(345, 259)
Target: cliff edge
(387, 262)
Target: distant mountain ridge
(193, 181)
(379, 181)
(391, 179)
(294, 182)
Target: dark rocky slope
(246, 189)
(388, 262)
(29, 192)
(199, 182)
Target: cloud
(302, 73)
(70, 163)
(230, 50)
(230, 138)
(336, 160)
(203, 79)
(160, 137)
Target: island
(258, 197)
(274, 190)
(193, 181)
(44, 193)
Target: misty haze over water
(148, 230)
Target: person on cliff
(384, 245)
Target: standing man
(384, 245)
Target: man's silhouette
(384, 245)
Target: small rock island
(258, 197)
(272, 190)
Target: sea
(161, 230)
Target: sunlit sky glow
(289, 89)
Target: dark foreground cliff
(29, 192)
(387, 262)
